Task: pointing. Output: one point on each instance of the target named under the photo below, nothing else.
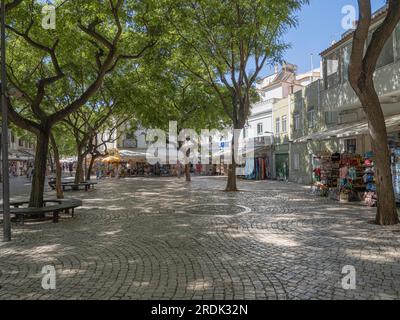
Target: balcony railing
(342, 96)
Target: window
(297, 122)
(311, 117)
(129, 143)
(331, 70)
(296, 161)
(346, 53)
(331, 117)
(130, 140)
(20, 142)
(277, 126)
(351, 145)
(244, 133)
(260, 130)
(387, 54)
(284, 124)
(12, 138)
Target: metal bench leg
(55, 217)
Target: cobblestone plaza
(167, 239)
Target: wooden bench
(57, 206)
(73, 186)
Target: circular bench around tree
(20, 211)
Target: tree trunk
(51, 163)
(79, 176)
(386, 211)
(187, 172)
(231, 185)
(59, 190)
(39, 177)
(363, 62)
(89, 171)
(1, 162)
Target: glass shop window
(351, 145)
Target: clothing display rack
(351, 174)
(258, 168)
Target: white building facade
(261, 125)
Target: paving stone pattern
(148, 238)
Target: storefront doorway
(282, 166)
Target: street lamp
(4, 135)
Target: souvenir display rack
(370, 195)
(325, 172)
(351, 174)
(339, 176)
(351, 177)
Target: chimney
(276, 68)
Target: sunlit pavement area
(163, 238)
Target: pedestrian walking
(29, 173)
(71, 168)
(98, 172)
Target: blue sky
(319, 25)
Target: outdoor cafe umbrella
(112, 159)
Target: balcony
(387, 84)
(262, 107)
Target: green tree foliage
(228, 43)
(58, 71)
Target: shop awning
(131, 154)
(70, 159)
(21, 155)
(143, 155)
(134, 156)
(242, 151)
(349, 130)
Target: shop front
(343, 176)
(281, 156)
(258, 163)
(19, 162)
(350, 175)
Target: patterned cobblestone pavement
(167, 239)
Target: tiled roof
(282, 76)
